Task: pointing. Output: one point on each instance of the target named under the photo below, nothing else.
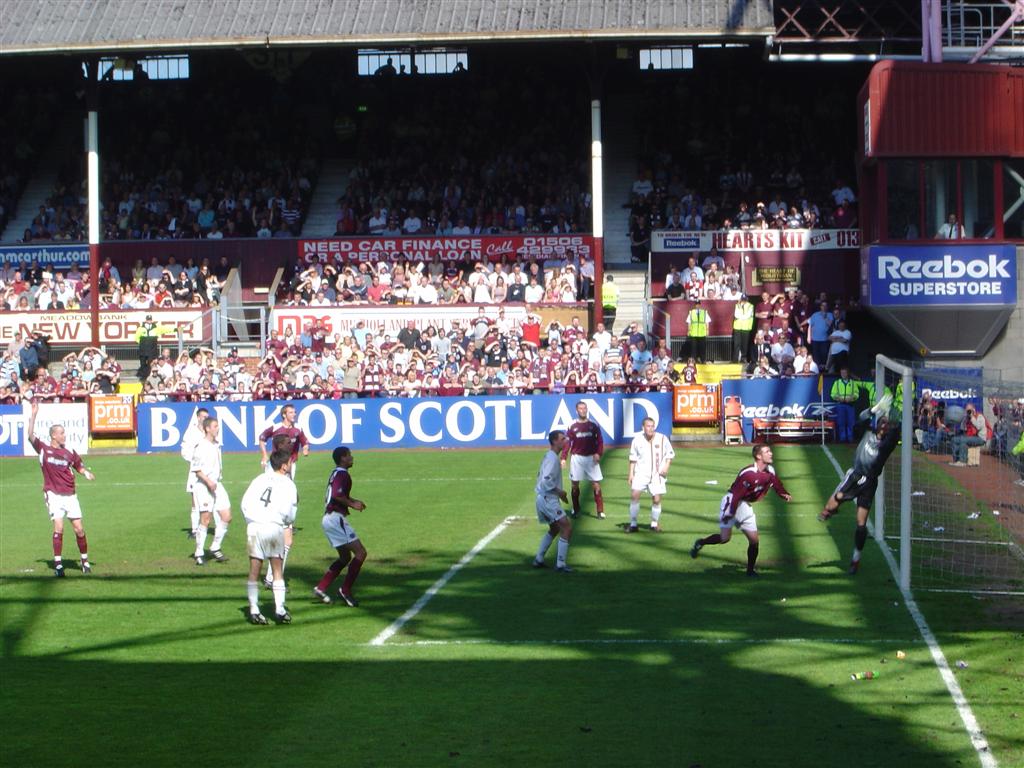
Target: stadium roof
(64, 26)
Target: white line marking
(392, 629)
(677, 641)
(978, 740)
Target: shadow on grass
(669, 707)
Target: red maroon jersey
(296, 437)
(339, 484)
(584, 439)
(751, 486)
(57, 464)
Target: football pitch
(642, 656)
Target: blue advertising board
(48, 255)
(952, 386)
(12, 430)
(797, 398)
(437, 422)
(943, 275)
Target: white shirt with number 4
(650, 456)
(270, 499)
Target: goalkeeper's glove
(882, 406)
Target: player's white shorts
(745, 519)
(584, 468)
(337, 530)
(549, 510)
(190, 483)
(265, 540)
(204, 501)
(59, 506)
(267, 468)
(654, 485)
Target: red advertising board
(450, 247)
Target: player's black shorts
(854, 485)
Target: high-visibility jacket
(743, 316)
(845, 391)
(897, 400)
(609, 295)
(697, 321)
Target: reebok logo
(946, 268)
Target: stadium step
(43, 181)
(323, 207)
(632, 307)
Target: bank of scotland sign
(945, 274)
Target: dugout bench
(792, 429)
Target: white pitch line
(963, 707)
(677, 641)
(394, 627)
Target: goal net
(951, 501)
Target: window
(1013, 199)
(150, 68)
(666, 58)
(433, 61)
(940, 193)
(903, 180)
(979, 200)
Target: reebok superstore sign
(940, 275)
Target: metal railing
(970, 25)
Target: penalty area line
(963, 707)
(395, 627)
(665, 642)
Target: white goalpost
(950, 507)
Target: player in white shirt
(650, 456)
(549, 511)
(208, 492)
(193, 434)
(269, 506)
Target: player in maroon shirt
(583, 448)
(57, 463)
(340, 534)
(750, 486)
(285, 436)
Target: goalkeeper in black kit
(873, 450)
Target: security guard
(609, 301)
(697, 322)
(146, 336)
(742, 325)
(845, 392)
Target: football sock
(598, 501)
(253, 588)
(279, 592)
(200, 540)
(860, 538)
(219, 532)
(545, 543)
(194, 520)
(83, 547)
(714, 538)
(351, 575)
(576, 500)
(332, 573)
(58, 546)
(634, 512)
(563, 550)
(655, 513)
(751, 555)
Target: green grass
(642, 657)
